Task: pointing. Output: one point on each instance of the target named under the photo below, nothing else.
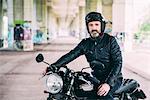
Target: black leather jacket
(103, 55)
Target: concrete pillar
(82, 13)
(4, 24)
(91, 5)
(28, 17)
(63, 29)
(41, 19)
(129, 26)
(83, 30)
(28, 10)
(0, 20)
(76, 26)
(107, 9)
(18, 10)
(34, 23)
(10, 23)
(122, 23)
(44, 21)
(99, 6)
(52, 24)
(118, 16)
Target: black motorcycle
(66, 84)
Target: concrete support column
(10, 23)
(52, 24)
(91, 6)
(82, 14)
(83, 32)
(4, 24)
(28, 16)
(107, 9)
(18, 9)
(99, 6)
(40, 13)
(63, 29)
(28, 10)
(34, 23)
(0, 20)
(129, 25)
(76, 26)
(44, 20)
(122, 23)
(118, 16)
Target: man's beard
(94, 33)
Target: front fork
(70, 93)
(70, 86)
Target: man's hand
(50, 68)
(103, 89)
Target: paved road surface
(19, 75)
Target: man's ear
(103, 24)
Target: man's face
(94, 28)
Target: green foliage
(145, 27)
(19, 22)
(143, 32)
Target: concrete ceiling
(69, 8)
(63, 8)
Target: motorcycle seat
(128, 86)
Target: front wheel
(18, 45)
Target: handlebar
(94, 80)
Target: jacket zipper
(95, 49)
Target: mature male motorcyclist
(102, 53)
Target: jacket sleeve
(70, 56)
(116, 62)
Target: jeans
(109, 96)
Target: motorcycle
(66, 84)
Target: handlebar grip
(52, 68)
(48, 69)
(45, 91)
(94, 80)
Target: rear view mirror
(39, 58)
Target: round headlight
(54, 83)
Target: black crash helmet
(95, 16)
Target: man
(102, 53)
(18, 32)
